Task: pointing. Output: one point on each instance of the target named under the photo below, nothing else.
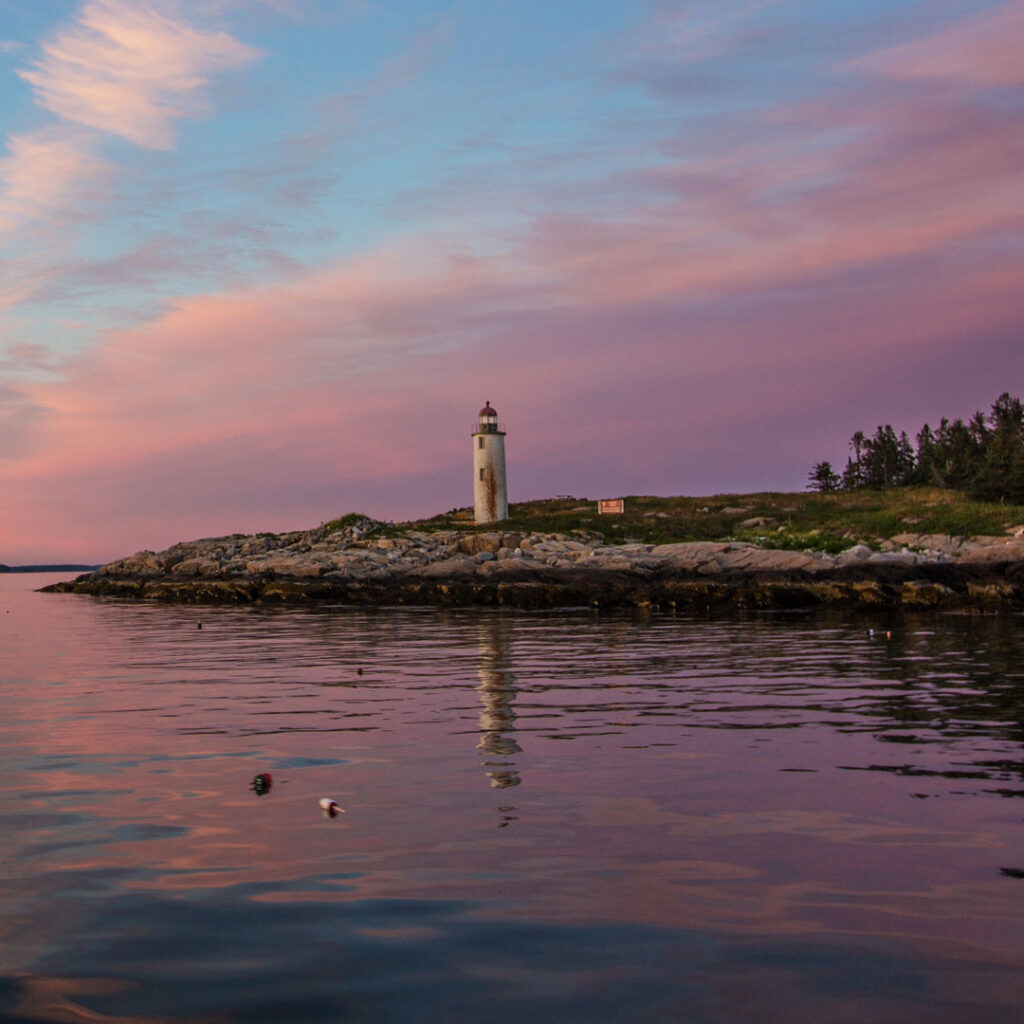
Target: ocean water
(553, 817)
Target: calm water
(550, 817)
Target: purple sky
(263, 260)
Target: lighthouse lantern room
(490, 493)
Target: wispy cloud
(120, 69)
(130, 71)
(697, 31)
(983, 49)
(48, 169)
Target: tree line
(983, 457)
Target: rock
(992, 550)
(296, 590)
(459, 567)
(313, 564)
(512, 568)
(924, 594)
(993, 595)
(870, 592)
(202, 591)
(858, 553)
(709, 567)
(767, 560)
(893, 558)
(619, 562)
(689, 554)
(474, 543)
(196, 567)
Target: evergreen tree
(958, 454)
(823, 478)
(984, 456)
(1000, 475)
(924, 459)
(853, 475)
(850, 480)
(905, 462)
(888, 459)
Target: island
(772, 551)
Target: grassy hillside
(829, 522)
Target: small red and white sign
(611, 506)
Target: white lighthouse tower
(490, 494)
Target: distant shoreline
(48, 568)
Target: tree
(984, 456)
(850, 480)
(924, 459)
(958, 454)
(823, 478)
(888, 459)
(853, 475)
(1000, 474)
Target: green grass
(343, 522)
(829, 522)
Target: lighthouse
(490, 494)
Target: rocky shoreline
(369, 563)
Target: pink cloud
(129, 71)
(983, 49)
(47, 170)
(814, 190)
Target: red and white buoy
(330, 808)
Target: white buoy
(330, 807)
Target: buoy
(330, 808)
(262, 783)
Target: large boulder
(858, 553)
(992, 550)
(474, 543)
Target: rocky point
(367, 562)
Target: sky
(262, 261)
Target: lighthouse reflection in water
(497, 691)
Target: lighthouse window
(479, 442)
(483, 472)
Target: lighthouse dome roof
(487, 410)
